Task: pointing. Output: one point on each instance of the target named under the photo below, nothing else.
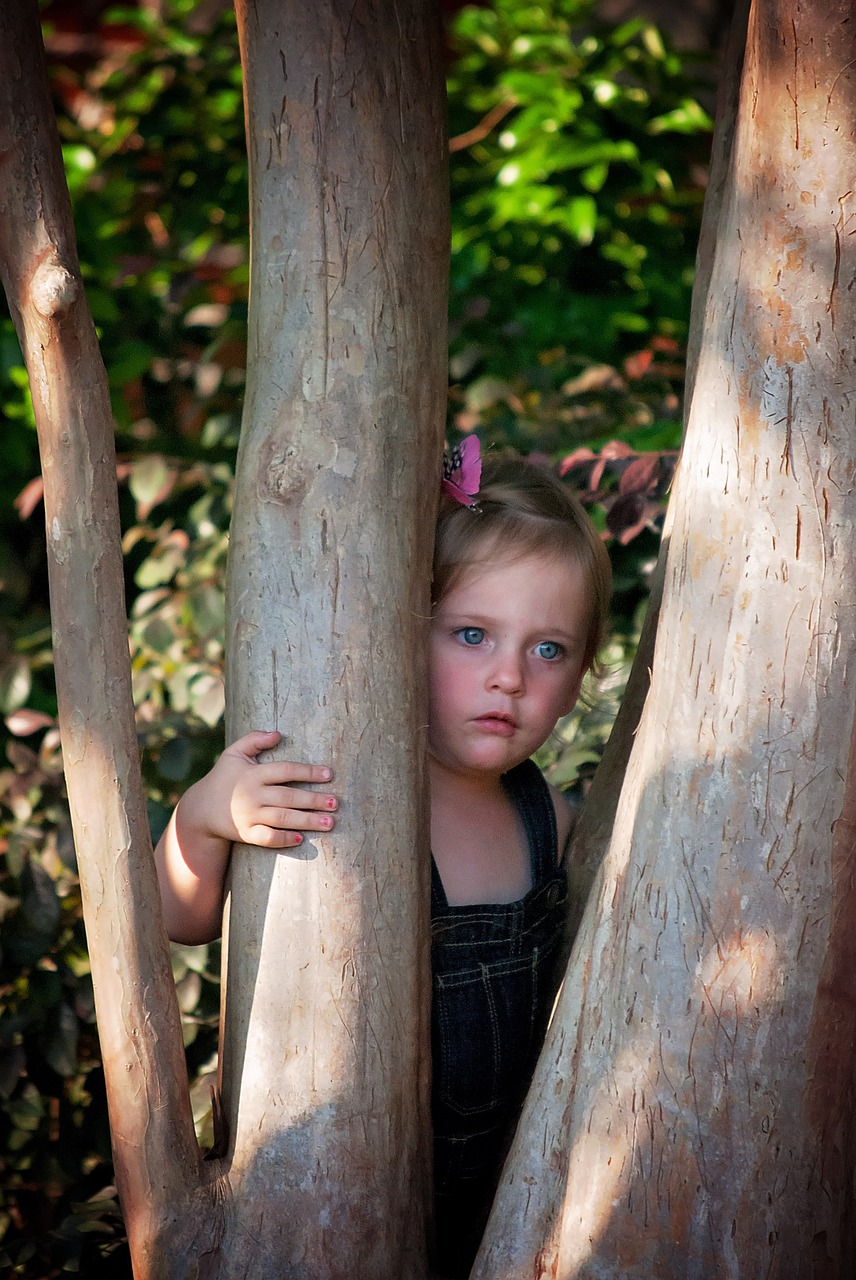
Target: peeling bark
(692, 1113)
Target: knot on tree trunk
(53, 288)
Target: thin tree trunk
(325, 1042)
(694, 1108)
(155, 1150)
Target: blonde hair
(523, 510)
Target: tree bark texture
(693, 1112)
(155, 1150)
(593, 832)
(325, 1059)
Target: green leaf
(208, 610)
(689, 117)
(158, 635)
(207, 699)
(149, 481)
(15, 684)
(175, 759)
(580, 217)
(26, 1111)
(13, 1063)
(59, 1044)
(161, 566)
(39, 902)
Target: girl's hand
(257, 803)
(239, 800)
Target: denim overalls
(493, 987)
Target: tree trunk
(325, 1079)
(592, 836)
(155, 1151)
(325, 1059)
(693, 1110)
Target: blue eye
(471, 635)
(549, 649)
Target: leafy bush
(576, 199)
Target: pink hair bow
(462, 472)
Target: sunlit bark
(693, 1110)
(325, 1042)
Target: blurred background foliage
(578, 153)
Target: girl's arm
(239, 800)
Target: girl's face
(505, 661)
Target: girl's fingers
(287, 798)
(271, 838)
(285, 772)
(298, 820)
(252, 743)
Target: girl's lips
(502, 725)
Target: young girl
(520, 592)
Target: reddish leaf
(467, 420)
(574, 459)
(637, 365)
(24, 760)
(598, 377)
(641, 475)
(612, 450)
(630, 514)
(26, 721)
(616, 449)
(29, 497)
(624, 513)
(650, 512)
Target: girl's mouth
(498, 722)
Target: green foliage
(575, 207)
(53, 1126)
(158, 179)
(575, 212)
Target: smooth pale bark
(155, 1150)
(593, 832)
(325, 1062)
(693, 1113)
(518, 1239)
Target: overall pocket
(482, 1027)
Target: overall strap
(439, 901)
(530, 794)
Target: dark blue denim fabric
(494, 981)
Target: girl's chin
(487, 762)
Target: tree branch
(484, 126)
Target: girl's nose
(507, 674)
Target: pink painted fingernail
(331, 803)
(326, 820)
(326, 774)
